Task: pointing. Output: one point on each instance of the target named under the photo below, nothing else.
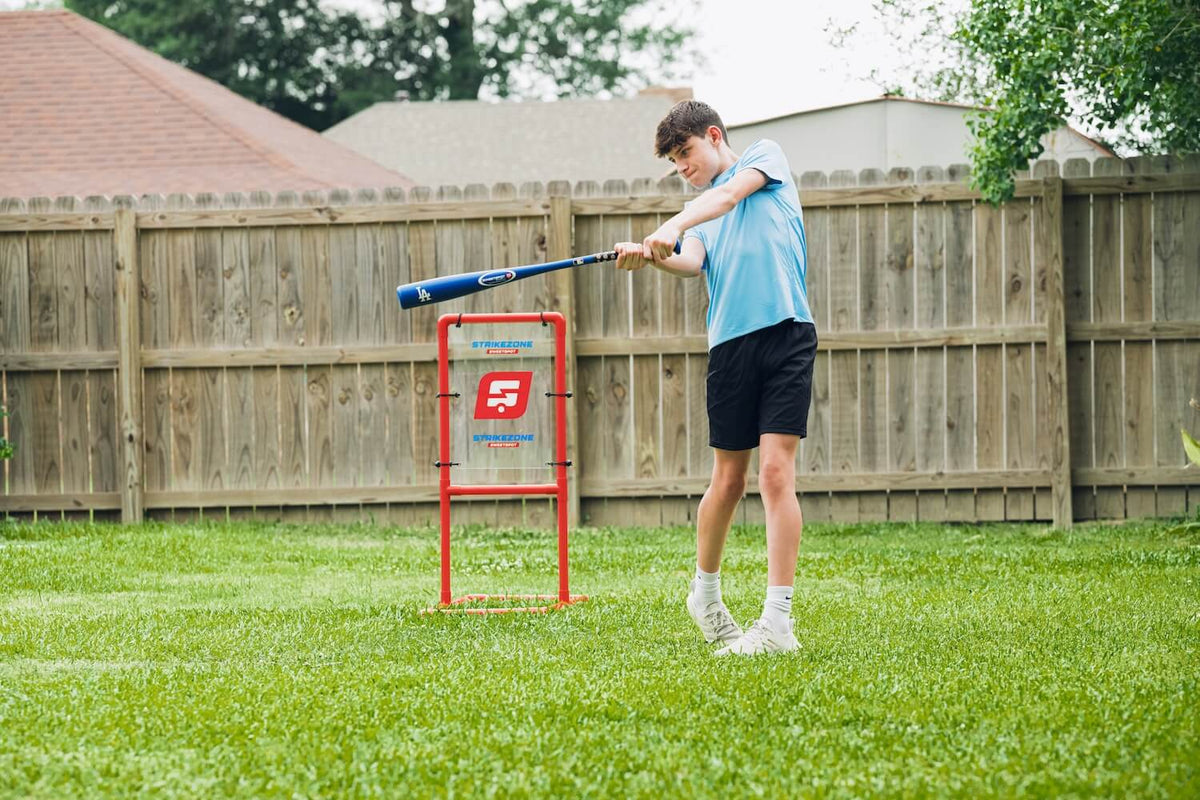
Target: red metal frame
(447, 490)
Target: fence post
(1049, 245)
(560, 245)
(129, 363)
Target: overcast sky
(771, 57)
(765, 57)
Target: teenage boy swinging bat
(449, 287)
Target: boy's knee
(728, 487)
(776, 478)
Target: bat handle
(611, 255)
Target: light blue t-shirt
(755, 255)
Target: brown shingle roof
(85, 111)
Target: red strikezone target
(502, 427)
(503, 395)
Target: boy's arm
(687, 264)
(713, 203)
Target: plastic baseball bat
(438, 290)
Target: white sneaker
(762, 638)
(715, 621)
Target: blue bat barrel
(449, 287)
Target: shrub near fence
(245, 354)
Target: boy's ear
(714, 134)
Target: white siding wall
(851, 137)
(920, 135)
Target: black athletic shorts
(760, 383)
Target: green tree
(1126, 69)
(317, 65)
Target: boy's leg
(712, 527)
(777, 483)
(732, 398)
(718, 505)
(772, 632)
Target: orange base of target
(458, 604)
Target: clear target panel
(502, 422)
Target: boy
(745, 233)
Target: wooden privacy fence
(246, 354)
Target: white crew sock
(708, 586)
(777, 610)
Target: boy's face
(698, 160)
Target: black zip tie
(440, 464)
(448, 394)
(558, 463)
(559, 394)
(542, 317)
(459, 323)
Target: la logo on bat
(503, 395)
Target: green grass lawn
(262, 660)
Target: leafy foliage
(318, 66)
(1191, 447)
(1126, 69)
(1131, 62)
(6, 448)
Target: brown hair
(686, 119)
